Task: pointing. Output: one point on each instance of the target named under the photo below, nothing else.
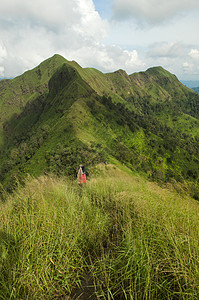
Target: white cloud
(191, 66)
(151, 11)
(31, 31)
(90, 24)
(34, 30)
(167, 49)
(1, 71)
(108, 58)
(114, 57)
(47, 13)
(194, 54)
(3, 55)
(3, 52)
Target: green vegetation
(68, 115)
(16, 93)
(196, 90)
(124, 237)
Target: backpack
(83, 178)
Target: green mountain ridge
(59, 115)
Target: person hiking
(81, 175)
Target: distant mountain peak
(159, 71)
(121, 72)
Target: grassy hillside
(120, 237)
(148, 121)
(15, 93)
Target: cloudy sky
(106, 34)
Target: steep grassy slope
(15, 93)
(120, 237)
(171, 102)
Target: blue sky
(104, 8)
(114, 34)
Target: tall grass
(124, 237)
